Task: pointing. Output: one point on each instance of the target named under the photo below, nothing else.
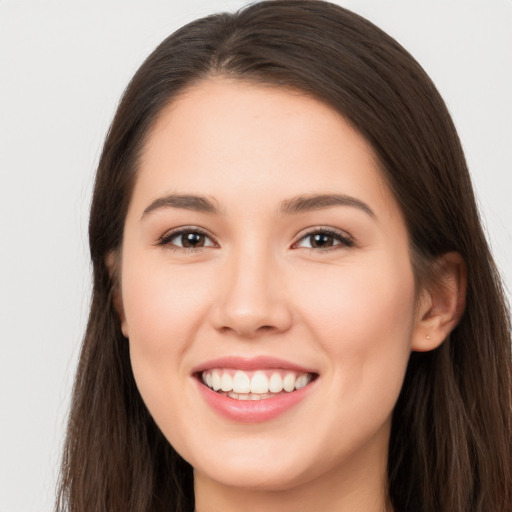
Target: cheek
(351, 299)
(164, 309)
(362, 316)
(163, 305)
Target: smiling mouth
(254, 385)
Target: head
(345, 69)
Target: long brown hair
(450, 448)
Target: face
(266, 288)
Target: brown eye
(320, 240)
(186, 239)
(192, 240)
(325, 239)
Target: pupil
(192, 240)
(320, 240)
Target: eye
(188, 239)
(324, 239)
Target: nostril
(248, 332)
(266, 328)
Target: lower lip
(252, 411)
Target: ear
(112, 263)
(441, 303)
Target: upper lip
(251, 363)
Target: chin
(257, 476)
(260, 462)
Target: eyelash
(344, 239)
(166, 239)
(339, 236)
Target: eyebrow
(295, 205)
(186, 202)
(318, 202)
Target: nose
(252, 298)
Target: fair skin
(324, 285)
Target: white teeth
(215, 380)
(241, 386)
(259, 383)
(301, 381)
(275, 384)
(289, 382)
(241, 383)
(226, 382)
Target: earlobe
(112, 263)
(441, 305)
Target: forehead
(229, 139)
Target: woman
(294, 305)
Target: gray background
(63, 66)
